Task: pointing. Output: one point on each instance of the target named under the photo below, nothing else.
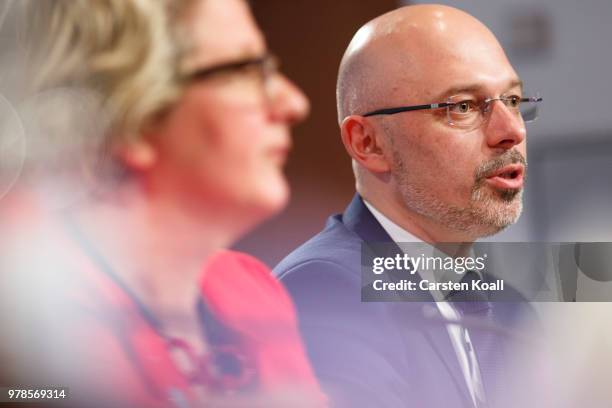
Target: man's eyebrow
(474, 88)
(516, 83)
(460, 89)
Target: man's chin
(510, 195)
(499, 215)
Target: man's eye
(463, 107)
(513, 101)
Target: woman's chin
(260, 207)
(274, 197)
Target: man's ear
(138, 155)
(364, 143)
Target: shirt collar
(399, 235)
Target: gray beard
(487, 213)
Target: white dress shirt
(459, 335)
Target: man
(430, 112)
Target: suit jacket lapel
(360, 220)
(377, 243)
(440, 341)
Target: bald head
(400, 56)
(422, 169)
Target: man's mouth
(509, 177)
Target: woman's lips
(280, 153)
(507, 178)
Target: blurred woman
(157, 133)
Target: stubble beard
(488, 211)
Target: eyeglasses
(469, 114)
(250, 76)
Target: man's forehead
(419, 52)
(442, 70)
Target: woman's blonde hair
(128, 52)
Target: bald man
(433, 116)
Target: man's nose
(286, 101)
(504, 128)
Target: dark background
(310, 38)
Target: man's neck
(399, 234)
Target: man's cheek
(461, 178)
(523, 150)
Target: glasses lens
(463, 112)
(255, 79)
(269, 70)
(250, 78)
(529, 110)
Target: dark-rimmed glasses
(255, 71)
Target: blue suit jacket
(372, 354)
